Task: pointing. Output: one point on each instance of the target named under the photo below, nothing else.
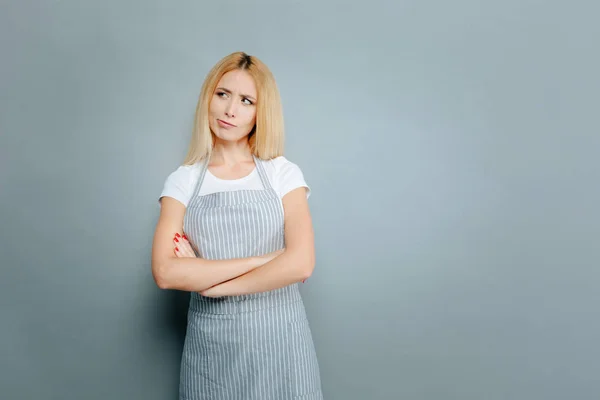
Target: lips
(226, 124)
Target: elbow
(306, 274)
(160, 276)
(162, 284)
(307, 266)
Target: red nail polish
(176, 249)
(185, 237)
(177, 235)
(177, 240)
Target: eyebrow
(229, 91)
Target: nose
(230, 109)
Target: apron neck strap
(260, 168)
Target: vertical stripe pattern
(249, 347)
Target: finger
(183, 246)
(185, 249)
(177, 248)
(180, 249)
(177, 243)
(193, 246)
(181, 253)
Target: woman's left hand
(219, 290)
(182, 246)
(211, 292)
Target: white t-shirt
(283, 175)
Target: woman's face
(232, 110)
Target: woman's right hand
(182, 247)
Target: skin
(174, 262)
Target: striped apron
(247, 347)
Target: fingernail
(176, 249)
(177, 240)
(185, 237)
(177, 235)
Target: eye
(220, 94)
(249, 102)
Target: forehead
(238, 81)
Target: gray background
(450, 149)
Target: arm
(190, 274)
(294, 265)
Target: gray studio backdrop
(450, 147)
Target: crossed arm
(217, 278)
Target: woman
(235, 230)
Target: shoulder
(183, 171)
(280, 164)
(285, 175)
(179, 184)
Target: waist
(245, 303)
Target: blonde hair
(266, 139)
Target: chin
(229, 136)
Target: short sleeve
(290, 177)
(178, 185)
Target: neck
(231, 153)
